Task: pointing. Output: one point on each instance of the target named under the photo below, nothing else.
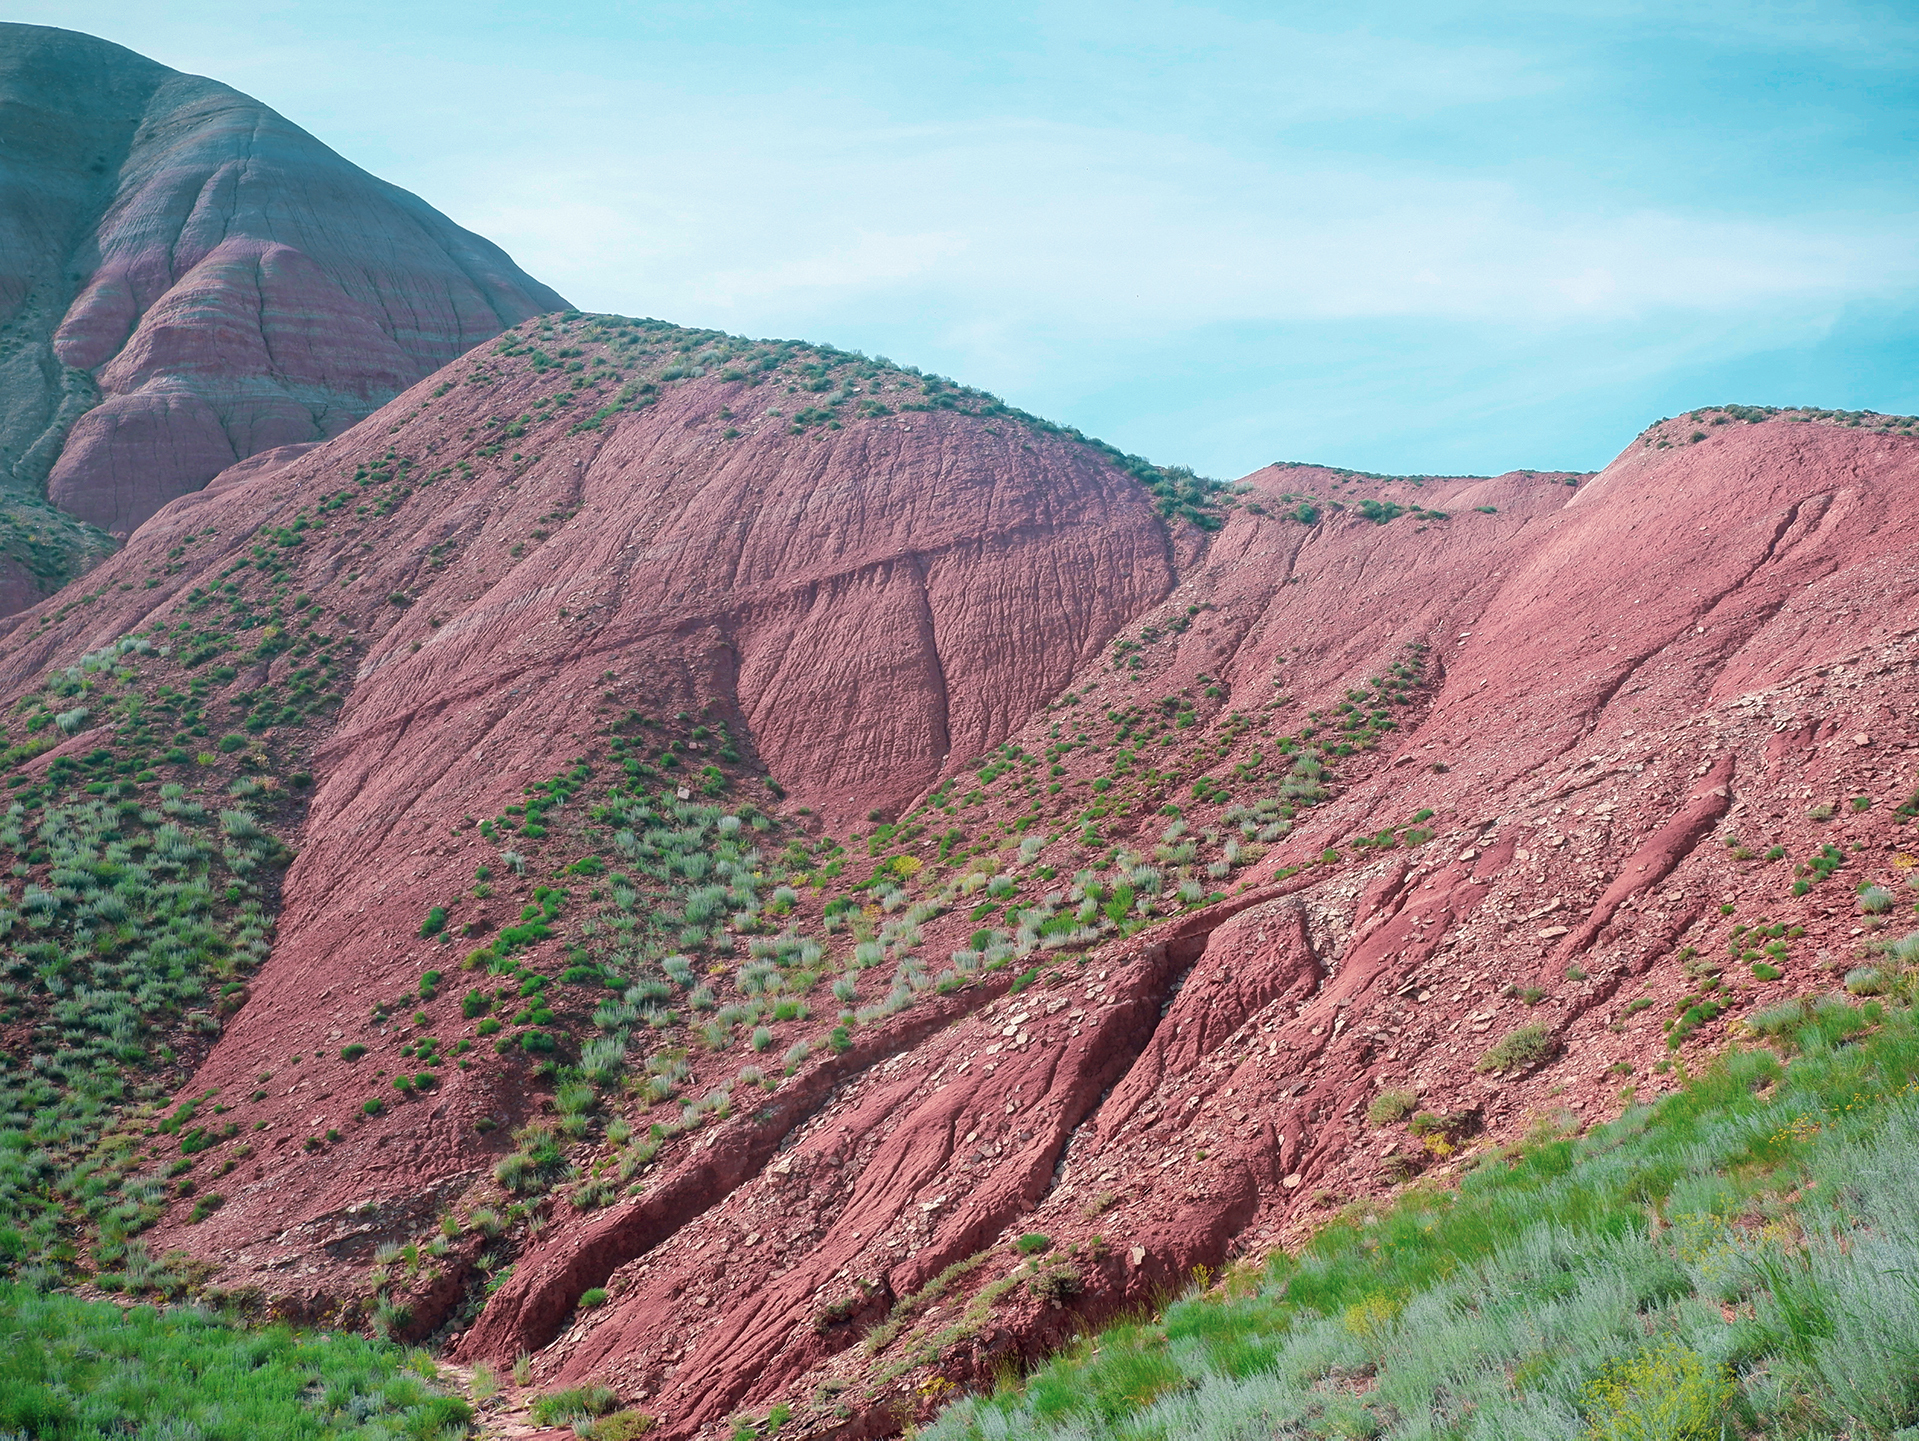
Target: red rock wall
(1615, 668)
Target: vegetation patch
(145, 893)
(85, 1369)
(1734, 1260)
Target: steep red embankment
(872, 605)
(187, 279)
(1562, 725)
(1700, 640)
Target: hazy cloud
(1403, 235)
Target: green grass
(79, 1370)
(1744, 1253)
(133, 929)
(576, 1401)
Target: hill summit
(190, 279)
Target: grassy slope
(78, 1370)
(1745, 1253)
(147, 878)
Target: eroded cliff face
(1609, 703)
(826, 601)
(781, 694)
(190, 279)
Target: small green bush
(231, 743)
(574, 1403)
(1667, 1391)
(1526, 1046)
(1449, 1126)
(593, 1296)
(1055, 1283)
(1033, 1243)
(1390, 1106)
(627, 1425)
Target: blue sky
(1413, 237)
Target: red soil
(1622, 676)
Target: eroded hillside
(816, 885)
(190, 279)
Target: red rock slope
(1503, 793)
(187, 279)
(1619, 699)
(863, 606)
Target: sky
(1418, 238)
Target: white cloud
(1107, 231)
(1219, 231)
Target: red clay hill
(187, 279)
(793, 884)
